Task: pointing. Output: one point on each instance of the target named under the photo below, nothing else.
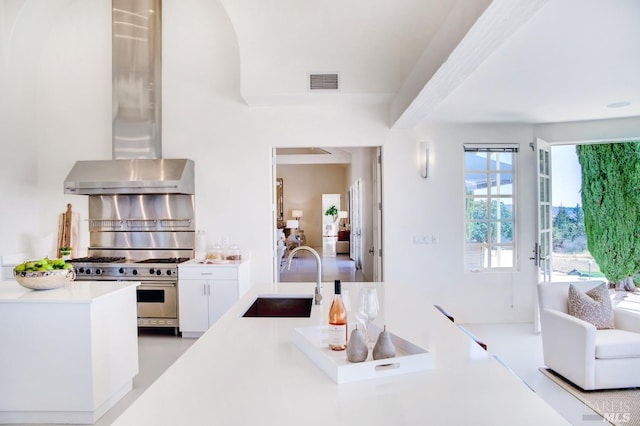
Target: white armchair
(575, 349)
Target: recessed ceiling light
(619, 104)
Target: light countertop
(73, 292)
(221, 263)
(246, 371)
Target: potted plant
(332, 211)
(330, 230)
(65, 253)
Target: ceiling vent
(323, 82)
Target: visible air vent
(323, 81)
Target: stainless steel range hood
(137, 166)
(141, 176)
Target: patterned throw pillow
(594, 306)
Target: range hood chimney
(137, 166)
(137, 79)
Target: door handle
(536, 254)
(371, 251)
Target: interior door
(352, 220)
(542, 252)
(274, 216)
(356, 224)
(377, 217)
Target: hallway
(303, 268)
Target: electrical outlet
(434, 239)
(421, 239)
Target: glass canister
(216, 253)
(233, 252)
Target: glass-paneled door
(543, 249)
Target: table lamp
(342, 214)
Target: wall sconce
(423, 157)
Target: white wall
(55, 104)
(56, 109)
(17, 164)
(434, 207)
(204, 119)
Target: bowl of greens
(44, 274)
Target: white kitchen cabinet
(207, 291)
(68, 354)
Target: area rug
(617, 406)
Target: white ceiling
(531, 61)
(566, 63)
(372, 44)
(286, 156)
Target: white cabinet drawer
(208, 273)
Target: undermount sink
(280, 306)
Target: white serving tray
(313, 342)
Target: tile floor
(519, 348)
(157, 350)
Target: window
(490, 200)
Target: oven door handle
(155, 285)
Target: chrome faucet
(318, 292)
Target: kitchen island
(68, 354)
(246, 371)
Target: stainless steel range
(158, 292)
(141, 226)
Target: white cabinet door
(194, 305)
(224, 293)
(205, 293)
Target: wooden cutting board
(67, 231)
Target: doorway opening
(571, 255)
(331, 208)
(304, 175)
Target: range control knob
(152, 271)
(121, 270)
(98, 271)
(134, 272)
(158, 272)
(87, 271)
(81, 270)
